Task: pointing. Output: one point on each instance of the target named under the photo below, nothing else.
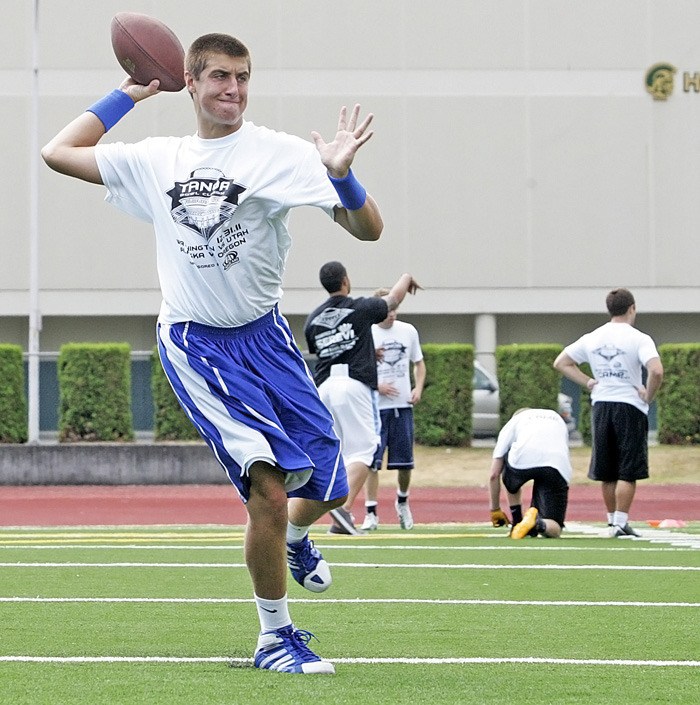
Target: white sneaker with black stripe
(622, 532)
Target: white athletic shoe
(622, 532)
(370, 523)
(403, 511)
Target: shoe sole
(311, 667)
(521, 530)
(620, 532)
(342, 523)
(327, 579)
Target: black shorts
(550, 493)
(397, 438)
(620, 448)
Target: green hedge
(13, 401)
(94, 382)
(170, 422)
(678, 399)
(444, 415)
(526, 378)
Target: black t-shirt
(339, 331)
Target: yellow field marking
(413, 537)
(90, 538)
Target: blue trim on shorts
(256, 376)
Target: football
(148, 49)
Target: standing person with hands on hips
(226, 349)
(398, 348)
(616, 353)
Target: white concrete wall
(521, 166)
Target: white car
(485, 414)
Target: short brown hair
(618, 301)
(203, 47)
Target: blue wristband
(112, 108)
(351, 192)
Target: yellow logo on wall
(659, 80)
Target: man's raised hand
(337, 156)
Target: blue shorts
(250, 395)
(397, 438)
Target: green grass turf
(348, 624)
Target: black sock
(401, 500)
(516, 511)
(371, 509)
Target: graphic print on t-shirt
(394, 352)
(610, 367)
(205, 202)
(339, 338)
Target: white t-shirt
(401, 347)
(220, 209)
(616, 353)
(536, 438)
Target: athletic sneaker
(532, 533)
(403, 512)
(343, 522)
(308, 567)
(629, 531)
(370, 523)
(521, 530)
(619, 532)
(286, 650)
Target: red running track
(86, 505)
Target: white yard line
(353, 601)
(409, 566)
(408, 661)
(352, 547)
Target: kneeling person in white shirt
(532, 446)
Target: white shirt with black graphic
(616, 353)
(401, 346)
(220, 209)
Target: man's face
(220, 93)
(389, 320)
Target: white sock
(295, 534)
(611, 518)
(620, 518)
(370, 503)
(401, 494)
(273, 614)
